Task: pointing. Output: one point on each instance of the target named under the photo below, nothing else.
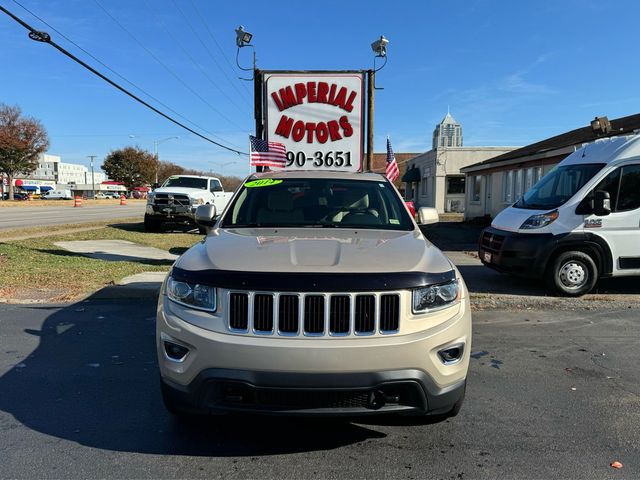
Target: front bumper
(516, 253)
(172, 212)
(400, 373)
(407, 392)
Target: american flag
(267, 154)
(392, 171)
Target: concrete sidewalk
(117, 251)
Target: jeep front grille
(313, 314)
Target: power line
(45, 38)
(121, 76)
(193, 60)
(204, 45)
(166, 67)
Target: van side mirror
(205, 215)
(427, 215)
(601, 203)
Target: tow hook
(378, 399)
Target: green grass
(37, 268)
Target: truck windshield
(187, 182)
(320, 203)
(558, 186)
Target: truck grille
(491, 242)
(171, 199)
(313, 315)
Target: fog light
(174, 351)
(451, 355)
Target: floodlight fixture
(379, 47)
(243, 38)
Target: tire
(151, 224)
(572, 274)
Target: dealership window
(455, 185)
(519, 184)
(528, 179)
(507, 187)
(476, 185)
(424, 185)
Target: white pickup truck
(175, 202)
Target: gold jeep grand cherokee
(314, 293)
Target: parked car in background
(57, 195)
(16, 196)
(576, 225)
(175, 202)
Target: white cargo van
(57, 195)
(580, 222)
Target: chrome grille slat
(313, 314)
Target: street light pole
(93, 182)
(155, 153)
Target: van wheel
(151, 225)
(572, 274)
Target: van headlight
(539, 221)
(435, 296)
(193, 295)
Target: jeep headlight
(193, 295)
(539, 221)
(435, 296)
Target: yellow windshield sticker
(263, 182)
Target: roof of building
(448, 119)
(619, 126)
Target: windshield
(187, 182)
(321, 203)
(558, 186)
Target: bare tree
(22, 140)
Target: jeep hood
(315, 250)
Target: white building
(51, 167)
(433, 179)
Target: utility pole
(93, 182)
(371, 75)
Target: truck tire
(572, 274)
(151, 224)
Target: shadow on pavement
(93, 379)
(108, 256)
(453, 236)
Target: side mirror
(601, 203)
(205, 215)
(427, 215)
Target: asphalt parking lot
(551, 395)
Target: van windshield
(319, 203)
(558, 186)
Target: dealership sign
(318, 117)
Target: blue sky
(512, 72)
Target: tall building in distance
(448, 133)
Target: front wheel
(572, 274)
